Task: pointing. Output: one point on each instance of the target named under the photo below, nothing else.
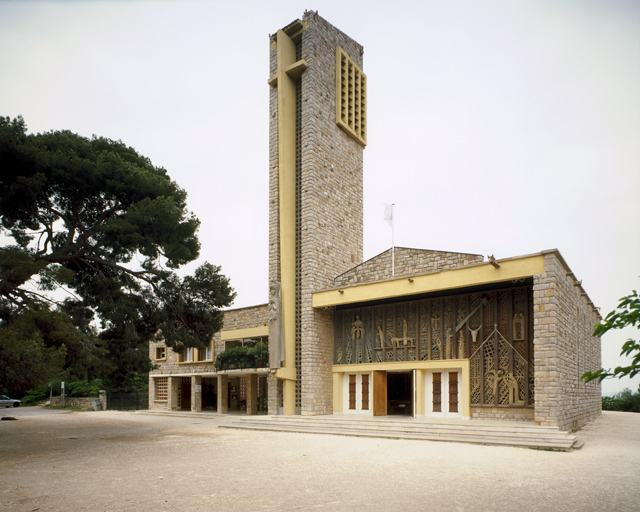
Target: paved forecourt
(111, 460)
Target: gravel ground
(109, 460)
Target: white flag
(388, 214)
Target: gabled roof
(406, 262)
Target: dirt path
(107, 461)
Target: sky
(495, 127)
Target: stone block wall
(317, 363)
(502, 413)
(408, 262)
(245, 318)
(274, 385)
(274, 403)
(171, 364)
(331, 204)
(86, 403)
(274, 199)
(564, 317)
(240, 318)
(155, 405)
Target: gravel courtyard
(109, 460)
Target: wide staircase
(507, 433)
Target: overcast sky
(496, 127)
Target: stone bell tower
(317, 134)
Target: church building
(409, 332)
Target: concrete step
(431, 433)
(406, 425)
(500, 441)
(471, 432)
(394, 432)
(505, 428)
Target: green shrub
(261, 352)
(610, 403)
(77, 388)
(243, 357)
(35, 396)
(83, 388)
(625, 401)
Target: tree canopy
(626, 314)
(96, 219)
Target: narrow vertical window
(365, 392)
(437, 392)
(352, 391)
(453, 391)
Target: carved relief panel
(494, 330)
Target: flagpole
(388, 216)
(393, 244)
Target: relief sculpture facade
(494, 330)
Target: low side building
(190, 381)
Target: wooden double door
(443, 394)
(393, 393)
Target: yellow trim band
(286, 373)
(485, 273)
(401, 366)
(250, 332)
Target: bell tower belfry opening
(317, 133)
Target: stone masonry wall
(331, 204)
(564, 348)
(241, 318)
(85, 402)
(502, 413)
(275, 390)
(408, 262)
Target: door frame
(444, 393)
(358, 386)
(412, 392)
(185, 394)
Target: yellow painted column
(465, 390)
(286, 54)
(337, 392)
(420, 398)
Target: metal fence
(134, 401)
